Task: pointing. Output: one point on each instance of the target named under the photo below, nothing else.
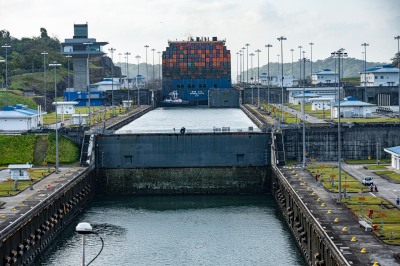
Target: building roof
(18, 111)
(352, 101)
(20, 166)
(381, 69)
(307, 94)
(107, 81)
(65, 103)
(393, 150)
(321, 99)
(325, 72)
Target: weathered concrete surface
(183, 181)
(376, 251)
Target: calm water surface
(192, 118)
(180, 230)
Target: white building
(139, 81)
(325, 92)
(325, 76)
(79, 119)
(352, 107)
(320, 103)
(65, 108)
(297, 98)
(276, 80)
(20, 171)
(395, 152)
(20, 118)
(107, 84)
(380, 76)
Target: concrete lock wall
(315, 244)
(223, 98)
(182, 150)
(30, 234)
(358, 142)
(221, 180)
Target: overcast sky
(129, 25)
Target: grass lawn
(329, 178)
(390, 215)
(393, 175)
(323, 114)
(277, 114)
(375, 167)
(366, 161)
(7, 187)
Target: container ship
(191, 68)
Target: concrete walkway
(346, 227)
(17, 205)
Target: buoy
(375, 263)
(296, 174)
(3, 216)
(323, 204)
(318, 199)
(329, 211)
(313, 193)
(13, 209)
(300, 178)
(353, 239)
(344, 229)
(336, 220)
(308, 188)
(363, 250)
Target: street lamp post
(55, 65)
(88, 78)
(243, 48)
(303, 113)
(292, 50)
(338, 54)
(299, 66)
(269, 78)
(137, 81)
(247, 62)
(6, 46)
(237, 67)
(127, 54)
(251, 66)
(147, 70)
(365, 70)
(68, 57)
(112, 50)
(153, 50)
(159, 66)
(240, 64)
(258, 78)
(281, 39)
(311, 45)
(398, 65)
(44, 53)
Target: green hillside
(17, 97)
(20, 149)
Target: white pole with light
(6, 46)
(398, 66)
(112, 50)
(281, 39)
(137, 80)
(338, 54)
(44, 53)
(269, 78)
(55, 65)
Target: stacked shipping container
(194, 66)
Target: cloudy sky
(129, 25)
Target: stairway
(85, 151)
(278, 149)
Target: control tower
(81, 49)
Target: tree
(394, 60)
(43, 33)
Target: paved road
(387, 189)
